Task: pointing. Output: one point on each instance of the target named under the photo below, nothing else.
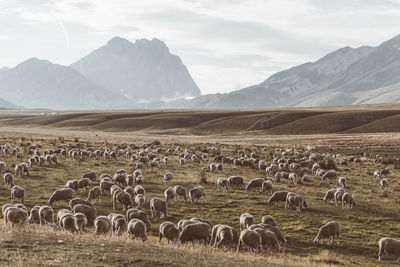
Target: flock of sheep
(127, 192)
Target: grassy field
(376, 214)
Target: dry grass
(375, 216)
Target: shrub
(61, 139)
(156, 142)
(202, 178)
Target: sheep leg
(238, 247)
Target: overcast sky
(226, 44)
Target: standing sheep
(246, 220)
(158, 205)
(62, 194)
(169, 194)
(180, 192)
(169, 231)
(46, 215)
(8, 179)
(138, 229)
(197, 231)
(17, 193)
(196, 193)
(102, 225)
(250, 238)
(389, 246)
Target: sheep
(180, 192)
(158, 205)
(34, 217)
(81, 221)
(266, 187)
(84, 183)
(138, 214)
(246, 219)
(389, 246)
(223, 184)
(182, 162)
(73, 184)
(88, 211)
(268, 239)
(102, 225)
(385, 172)
(384, 183)
(61, 194)
(338, 196)
(277, 196)
(328, 231)
(196, 193)
(91, 175)
(183, 223)
(115, 188)
(61, 213)
(294, 200)
(271, 228)
(254, 183)
(16, 216)
(138, 229)
(17, 193)
(131, 191)
(330, 194)
(105, 185)
(8, 179)
(348, 201)
(377, 174)
(169, 231)
(198, 231)
(119, 223)
(3, 166)
(250, 238)
(268, 219)
(94, 194)
(168, 177)
(140, 190)
(293, 177)
(140, 199)
(4, 207)
(124, 199)
(68, 223)
(46, 216)
(165, 160)
(342, 182)
(331, 174)
(236, 181)
(75, 201)
(225, 235)
(169, 194)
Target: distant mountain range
(347, 76)
(118, 75)
(144, 74)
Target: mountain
(38, 83)
(344, 77)
(7, 105)
(143, 71)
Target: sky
(226, 44)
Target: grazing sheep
(196, 193)
(138, 229)
(250, 238)
(81, 221)
(180, 192)
(236, 181)
(168, 177)
(17, 193)
(342, 182)
(158, 205)
(16, 216)
(91, 175)
(277, 196)
(254, 183)
(268, 219)
(169, 231)
(124, 199)
(34, 217)
(384, 183)
(88, 211)
(102, 225)
(84, 183)
(140, 190)
(377, 174)
(165, 160)
(105, 185)
(120, 226)
(73, 184)
(266, 187)
(271, 228)
(268, 239)
(246, 219)
(3, 166)
(226, 236)
(222, 184)
(137, 214)
(328, 231)
(68, 223)
(46, 216)
(331, 174)
(169, 194)
(61, 194)
(348, 201)
(8, 179)
(140, 199)
(198, 231)
(294, 200)
(94, 194)
(330, 194)
(61, 213)
(338, 196)
(389, 246)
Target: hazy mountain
(142, 71)
(7, 105)
(344, 77)
(41, 84)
